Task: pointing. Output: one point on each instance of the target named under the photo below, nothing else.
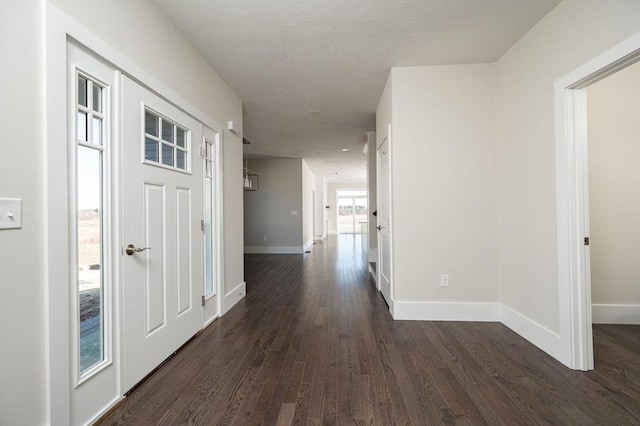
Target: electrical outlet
(444, 280)
(265, 238)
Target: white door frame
(572, 202)
(214, 310)
(379, 183)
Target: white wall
(308, 195)
(332, 211)
(268, 212)
(613, 119)
(443, 168)
(570, 35)
(22, 268)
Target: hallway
(313, 343)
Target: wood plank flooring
(313, 343)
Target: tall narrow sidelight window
(90, 223)
(209, 218)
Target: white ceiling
(310, 72)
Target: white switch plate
(10, 213)
(294, 212)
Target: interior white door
(161, 212)
(384, 207)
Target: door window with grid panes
(166, 143)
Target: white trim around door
(572, 201)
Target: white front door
(162, 241)
(384, 207)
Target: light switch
(10, 213)
(294, 212)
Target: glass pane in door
(90, 253)
(345, 216)
(360, 212)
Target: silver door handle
(131, 249)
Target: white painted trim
(530, 330)
(446, 311)
(392, 306)
(234, 296)
(535, 333)
(373, 254)
(104, 410)
(373, 273)
(56, 226)
(220, 218)
(390, 220)
(218, 223)
(392, 250)
(274, 249)
(210, 321)
(615, 314)
(308, 245)
(576, 346)
(83, 63)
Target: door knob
(131, 249)
(378, 227)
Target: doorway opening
(613, 112)
(572, 200)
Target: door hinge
(202, 225)
(586, 241)
(203, 300)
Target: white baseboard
(210, 321)
(373, 255)
(392, 307)
(274, 249)
(446, 311)
(373, 273)
(104, 410)
(233, 297)
(308, 245)
(535, 333)
(615, 314)
(320, 237)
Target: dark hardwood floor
(313, 343)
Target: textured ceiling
(310, 72)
